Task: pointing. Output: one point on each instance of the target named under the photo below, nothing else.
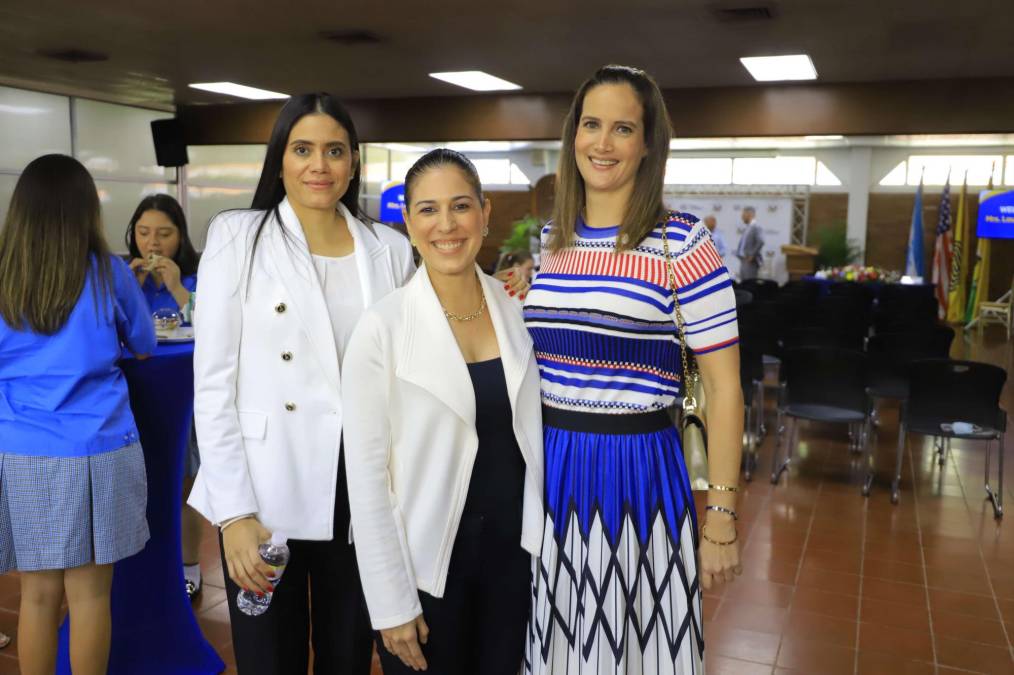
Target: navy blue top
(160, 297)
(496, 490)
(63, 395)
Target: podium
(800, 261)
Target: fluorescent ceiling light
(775, 68)
(476, 80)
(825, 137)
(240, 90)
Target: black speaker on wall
(170, 144)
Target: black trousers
(478, 627)
(320, 590)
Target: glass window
(1009, 171)
(518, 177)
(115, 140)
(493, 171)
(31, 125)
(935, 169)
(204, 203)
(375, 168)
(698, 171)
(896, 176)
(225, 165)
(825, 176)
(401, 162)
(118, 200)
(773, 170)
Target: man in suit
(716, 236)
(750, 246)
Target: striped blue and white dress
(616, 588)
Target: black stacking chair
(943, 391)
(824, 384)
(891, 353)
(751, 378)
(761, 289)
(916, 313)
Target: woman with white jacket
(444, 445)
(282, 286)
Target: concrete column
(860, 165)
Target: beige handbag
(693, 433)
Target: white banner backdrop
(774, 214)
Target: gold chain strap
(689, 376)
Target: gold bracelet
(722, 509)
(723, 488)
(704, 535)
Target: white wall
(112, 141)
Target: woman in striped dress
(617, 588)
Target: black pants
(320, 588)
(478, 627)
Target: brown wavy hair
(646, 208)
(51, 240)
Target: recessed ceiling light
(476, 80)
(774, 68)
(240, 90)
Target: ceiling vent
(74, 55)
(741, 14)
(351, 38)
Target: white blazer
(267, 386)
(410, 440)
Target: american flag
(942, 252)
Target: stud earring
(485, 232)
(411, 241)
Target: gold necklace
(467, 317)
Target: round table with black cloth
(154, 630)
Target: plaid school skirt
(64, 512)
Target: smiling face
(155, 232)
(446, 219)
(319, 163)
(609, 145)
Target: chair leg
(790, 435)
(995, 496)
(758, 435)
(896, 483)
(868, 456)
(748, 456)
(940, 448)
(762, 428)
(776, 450)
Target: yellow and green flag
(980, 281)
(960, 251)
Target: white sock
(193, 573)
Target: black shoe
(193, 590)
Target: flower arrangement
(859, 273)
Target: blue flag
(915, 259)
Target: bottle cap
(278, 539)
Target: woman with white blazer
(282, 286)
(443, 433)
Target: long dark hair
(186, 256)
(52, 231)
(442, 157)
(646, 208)
(270, 189)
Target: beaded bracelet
(704, 535)
(723, 488)
(721, 509)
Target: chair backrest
(751, 369)
(903, 294)
(950, 390)
(918, 312)
(822, 336)
(890, 353)
(825, 376)
(761, 288)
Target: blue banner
(996, 214)
(392, 198)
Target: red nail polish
(523, 296)
(510, 274)
(506, 287)
(512, 294)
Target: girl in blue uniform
(73, 490)
(165, 263)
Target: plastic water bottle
(276, 554)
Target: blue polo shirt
(63, 395)
(159, 297)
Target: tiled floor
(833, 583)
